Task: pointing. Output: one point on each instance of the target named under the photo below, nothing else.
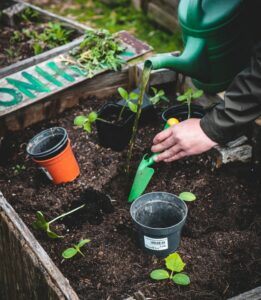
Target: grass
(121, 17)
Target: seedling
(29, 15)
(18, 169)
(158, 96)
(188, 97)
(86, 122)
(187, 196)
(41, 224)
(71, 252)
(174, 264)
(128, 98)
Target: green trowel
(144, 172)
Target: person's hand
(181, 140)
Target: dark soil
(16, 45)
(220, 241)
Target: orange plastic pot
(62, 167)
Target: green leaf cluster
(158, 96)
(188, 97)
(99, 50)
(128, 98)
(53, 35)
(71, 252)
(86, 122)
(174, 264)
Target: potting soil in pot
(220, 241)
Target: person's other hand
(181, 140)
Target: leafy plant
(128, 98)
(188, 97)
(99, 50)
(30, 14)
(158, 96)
(41, 224)
(86, 122)
(71, 252)
(187, 196)
(18, 169)
(174, 264)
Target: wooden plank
(162, 17)
(254, 294)
(26, 271)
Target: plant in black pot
(187, 109)
(114, 122)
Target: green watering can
(216, 43)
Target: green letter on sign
(25, 87)
(17, 97)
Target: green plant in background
(188, 97)
(18, 169)
(99, 50)
(121, 17)
(41, 224)
(128, 98)
(187, 196)
(158, 96)
(71, 252)
(53, 35)
(30, 14)
(174, 264)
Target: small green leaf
(133, 107)
(181, 279)
(187, 196)
(197, 94)
(83, 242)
(87, 127)
(159, 274)
(80, 120)
(154, 90)
(174, 262)
(69, 253)
(134, 96)
(124, 94)
(181, 98)
(160, 93)
(92, 116)
(40, 222)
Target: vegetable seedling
(18, 169)
(188, 97)
(41, 224)
(187, 196)
(86, 122)
(71, 252)
(128, 98)
(174, 264)
(158, 96)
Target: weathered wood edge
(254, 294)
(55, 279)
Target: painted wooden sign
(49, 77)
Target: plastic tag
(46, 173)
(156, 244)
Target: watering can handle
(195, 12)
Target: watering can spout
(192, 62)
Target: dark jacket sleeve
(242, 104)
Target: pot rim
(159, 228)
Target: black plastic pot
(180, 112)
(47, 143)
(159, 218)
(114, 135)
(148, 111)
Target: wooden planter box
(58, 86)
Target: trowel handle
(170, 122)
